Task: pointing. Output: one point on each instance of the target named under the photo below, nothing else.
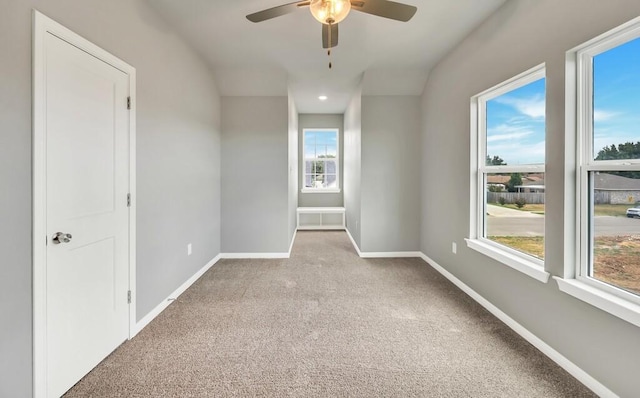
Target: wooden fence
(599, 197)
(602, 197)
(510, 197)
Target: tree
(628, 150)
(495, 161)
(514, 181)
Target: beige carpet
(326, 323)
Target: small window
(321, 160)
(508, 178)
(608, 163)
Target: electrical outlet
(454, 247)
(189, 251)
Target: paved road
(534, 226)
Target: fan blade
(385, 9)
(276, 11)
(325, 35)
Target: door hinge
(129, 297)
(128, 102)
(128, 200)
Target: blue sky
(320, 142)
(515, 120)
(515, 125)
(616, 76)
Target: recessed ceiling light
(322, 98)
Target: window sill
(518, 263)
(320, 190)
(607, 302)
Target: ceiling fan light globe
(330, 11)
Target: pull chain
(329, 51)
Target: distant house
(530, 188)
(614, 189)
(609, 188)
(498, 179)
(531, 183)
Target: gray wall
(178, 155)
(520, 35)
(390, 173)
(255, 178)
(293, 166)
(352, 165)
(334, 121)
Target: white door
(87, 179)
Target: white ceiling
(285, 54)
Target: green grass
(533, 245)
(600, 210)
(616, 258)
(612, 210)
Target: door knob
(61, 237)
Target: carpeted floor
(326, 323)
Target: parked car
(634, 212)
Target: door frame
(42, 26)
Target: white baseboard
(380, 254)
(389, 254)
(353, 242)
(545, 348)
(176, 293)
(262, 255)
(254, 255)
(293, 239)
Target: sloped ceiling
(285, 54)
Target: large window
(602, 151)
(608, 162)
(321, 160)
(508, 137)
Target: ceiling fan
(330, 12)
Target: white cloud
(536, 152)
(508, 136)
(600, 115)
(515, 153)
(533, 107)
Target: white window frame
(525, 263)
(579, 133)
(304, 160)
